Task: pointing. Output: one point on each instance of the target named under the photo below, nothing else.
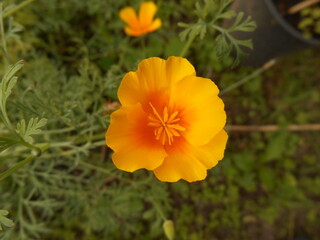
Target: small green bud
(168, 228)
(36, 152)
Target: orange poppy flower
(142, 24)
(170, 121)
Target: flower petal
(146, 13)
(201, 109)
(177, 68)
(129, 16)
(152, 74)
(176, 167)
(154, 77)
(133, 158)
(128, 89)
(148, 84)
(133, 140)
(132, 32)
(155, 25)
(181, 165)
(190, 162)
(211, 153)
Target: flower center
(166, 125)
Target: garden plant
(134, 120)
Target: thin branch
(17, 8)
(273, 128)
(301, 5)
(254, 74)
(187, 46)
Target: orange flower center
(166, 125)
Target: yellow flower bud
(168, 228)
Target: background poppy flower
(170, 122)
(144, 22)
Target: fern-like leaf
(8, 82)
(33, 127)
(4, 221)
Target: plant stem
(67, 144)
(8, 172)
(63, 130)
(158, 208)
(94, 137)
(74, 151)
(94, 167)
(257, 72)
(143, 46)
(17, 8)
(302, 5)
(26, 144)
(111, 176)
(187, 46)
(123, 52)
(3, 39)
(272, 128)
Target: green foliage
(277, 147)
(33, 127)
(4, 221)
(310, 21)
(57, 179)
(65, 97)
(210, 16)
(6, 143)
(22, 134)
(7, 83)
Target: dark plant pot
(273, 37)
